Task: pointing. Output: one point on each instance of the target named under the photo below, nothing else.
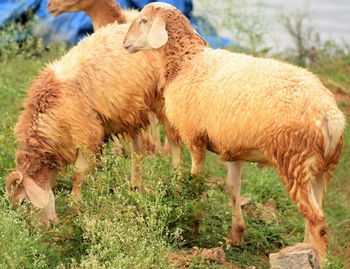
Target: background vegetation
(116, 227)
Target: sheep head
(57, 7)
(21, 188)
(148, 30)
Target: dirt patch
(343, 97)
(183, 259)
(267, 211)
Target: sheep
(102, 13)
(95, 90)
(245, 109)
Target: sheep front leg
(176, 156)
(118, 147)
(233, 183)
(197, 157)
(197, 152)
(136, 162)
(81, 166)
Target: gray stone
(300, 256)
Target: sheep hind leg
(81, 166)
(166, 147)
(148, 145)
(156, 134)
(233, 183)
(318, 188)
(299, 185)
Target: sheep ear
(38, 196)
(158, 35)
(15, 177)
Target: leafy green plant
(17, 39)
(21, 246)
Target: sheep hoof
(136, 188)
(142, 189)
(236, 235)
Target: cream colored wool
(235, 99)
(245, 109)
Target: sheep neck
(102, 13)
(43, 95)
(183, 43)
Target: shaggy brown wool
(76, 103)
(36, 148)
(183, 43)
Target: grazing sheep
(95, 90)
(245, 109)
(101, 13)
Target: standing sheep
(245, 109)
(95, 90)
(101, 13)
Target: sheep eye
(143, 20)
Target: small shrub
(306, 41)
(21, 246)
(17, 39)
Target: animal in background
(101, 13)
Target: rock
(300, 256)
(245, 201)
(214, 254)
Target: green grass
(115, 227)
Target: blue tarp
(72, 27)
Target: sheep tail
(332, 130)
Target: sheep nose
(127, 44)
